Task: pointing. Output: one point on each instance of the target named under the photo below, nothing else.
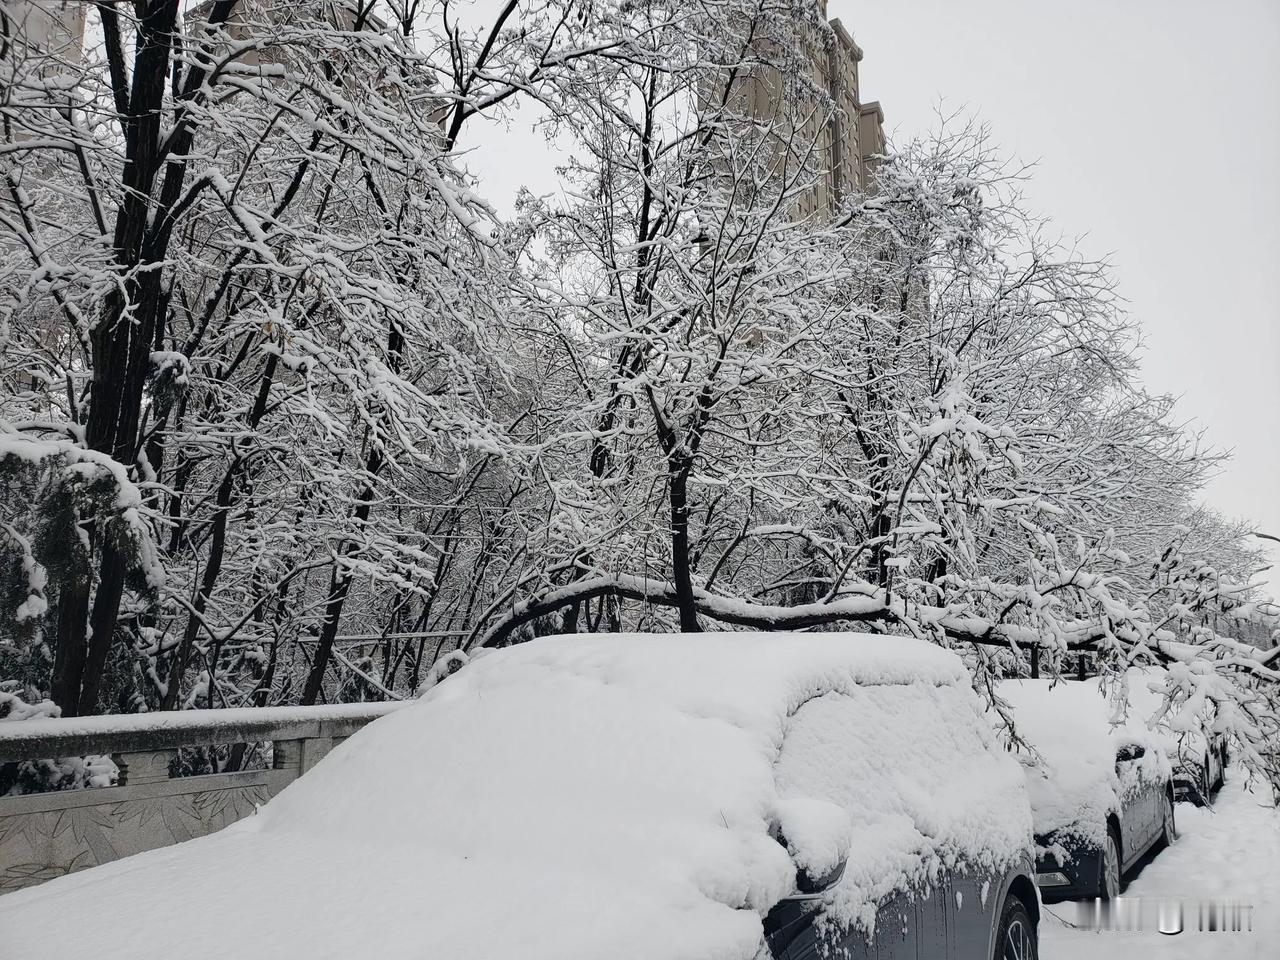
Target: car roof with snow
(1075, 728)
(584, 797)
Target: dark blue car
(1101, 786)
(931, 794)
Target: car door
(936, 933)
(909, 927)
(971, 908)
(898, 935)
(901, 931)
(1135, 805)
(1152, 819)
(1213, 761)
(1156, 789)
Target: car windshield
(911, 767)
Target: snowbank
(1075, 730)
(576, 797)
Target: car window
(884, 751)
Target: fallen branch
(867, 608)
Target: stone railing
(46, 835)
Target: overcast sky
(1153, 124)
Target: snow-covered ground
(1228, 853)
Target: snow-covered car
(730, 796)
(1100, 785)
(1198, 759)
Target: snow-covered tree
(923, 416)
(272, 374)
(242, 270)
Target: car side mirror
(816, 835)
(810, 887)
(1132, 751)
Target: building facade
(49, 28)
(844, 141)
(858, 127)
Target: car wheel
(1016, 938)
(1109, 867)
(1170, 827)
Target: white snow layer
(1075, 731)
(579, 797)
(45, 725)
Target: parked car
(650, 797)
(1100, 785)
(1199, 759)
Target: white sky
(1153, 124)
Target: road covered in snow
(1224, 854)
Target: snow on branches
(260, 331)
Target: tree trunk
(121, 345)
(570, 622)
(682, 574)
(68, 661)
(212, 567)
(102, 625)
(339, 587)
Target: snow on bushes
(58, 481)
(14, 707)
(59, 773)
(587, 797)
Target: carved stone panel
(46, 835)
(41, 844)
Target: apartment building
(848, 139)
(48, 28)
(258, 19)
(858, 127)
